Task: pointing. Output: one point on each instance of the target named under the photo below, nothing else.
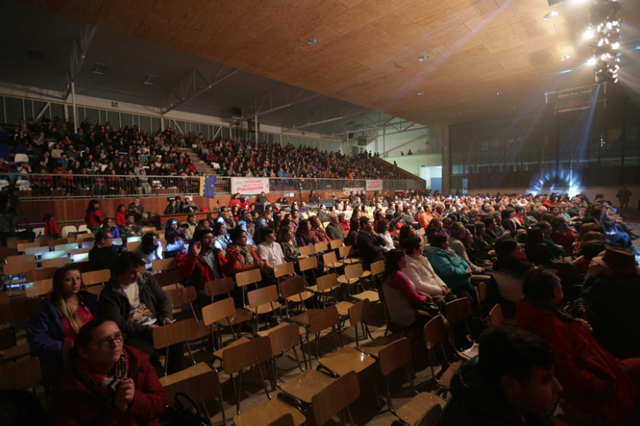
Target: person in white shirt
(421, 273)
(269, 250)
(383, 231)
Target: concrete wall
(412, 163)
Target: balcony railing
(46, 186)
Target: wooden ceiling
(368, 50)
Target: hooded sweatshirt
(476, 402)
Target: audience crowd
(561, 268)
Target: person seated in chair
(103, 253)
(137, 303)
(510, 383)
(594, 381)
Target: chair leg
(295, 353)
(389, 400)
(224, 417)
(263, 383)
(191, 353)
(409, 370)
(237, 390)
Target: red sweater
(74, 404)
(93, 218)
(585, 369)
(196, 270)
(120, 219)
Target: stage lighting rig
(603, 35)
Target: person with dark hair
(421, 274)
(369, 243)
(510, 383)
(149, 249)
(593, 380)
(240, 256)
(613, 290)
(269, 249)
(352, 236)
(107, 225)
(304, 234)
(136, 302)
(203, 262)
(453, 270)
(107, 382)
(383, 231)
(103, 253)
(93, 216)
(406, 232)
(561, 235)
(172, 208)
(490, 235)
(401, 297)
(130, 229)
(546, 229)
(58, 320)
(456, 242)
(511, 258)
(121, 219)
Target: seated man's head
(542, 284)
(104, 238)
(131, 219)
(126, 268)
(521, 366)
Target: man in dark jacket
(613, 289)
(510, 383)
(369, 243)
(103, 253)
(137, 303)
(334, 230)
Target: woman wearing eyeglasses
(106, 382)
(58, 319)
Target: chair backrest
(353, 271)
(19, 268)
(163, 264)
(43, 240)
(132, 245)
(66, 246)
(149, 229)
(202, 386)
(56, 263)
(310, 262)
(248, 277)
(431, 417)
(40, 274)
(53, 243)
(345, 251)
(88, 243)
(37, 251)
(178, 332)
(85, 237)
(96, 277)
(95, 289)
(21, 258)
(22, 374)
(359, 311)
(23, 246)
(67, 229)
(394, 356)
(80, 258)
(307, 250)
(135, 238)
(434, 331)
(284, 420)
(38, 288)
(13, 244)
(217, 287)
(6, 252)
(246, 355)
(481, 292)
(291, 287)
(54, 254)
(321, 319)
(495, 315)
(334, 244)
(181, 296)
(19, 310)
(321, 247)
(458, 310)
(283, 269)
(329, 258)
(168, 278)
(77, 251)
(117, 241)
(4, 298)
(335, 397)
(284, 338)
(377, 267)
(263, 296)
(327, 282)
(219, 310)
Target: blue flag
(208, 186)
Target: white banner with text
(249, 186)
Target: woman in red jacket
(93, 216)
(120, 216)
(107, 383)
(593, 380)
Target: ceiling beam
(78, 54)
(287, 105)
(315, 123)
(385, 124)
(196, 92)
